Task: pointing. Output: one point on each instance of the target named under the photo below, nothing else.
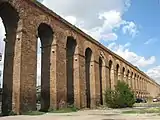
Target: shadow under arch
(45, 33)
(101, 78)
(10, 18)
(117, 72)
(88, 72)
(110, 73)
(70, 52)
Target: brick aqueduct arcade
(76, 69)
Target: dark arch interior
(135, 82)
(10, 20)
(45, 34)
(123, 71)
(70, 50)
(117, 69)
(127, 77)
(100, 78)
(132, 80)
(110, 70)
(88, 55)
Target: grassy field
(151, 104)
(143, 111)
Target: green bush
(121, 97)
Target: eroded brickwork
(22, 80)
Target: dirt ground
(87, 115)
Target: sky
(130, 28)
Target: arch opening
(70, 51)
(100, 78)
(88, 56)
(123, 73)
(10, 18)
(131, 81)
(117, 70)
(135, 81)
(45, 35)
(110, 73)
(127, 77)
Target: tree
(121, 97)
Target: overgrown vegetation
(121, 97)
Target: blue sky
(130, 28)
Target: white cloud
(151, 40)
(71, 19)
(99, 18)
(154, 73)
(130, 28)
(130, 56)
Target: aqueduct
(76, 69)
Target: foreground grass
(151, 104)
(64, 110)
(34, 113)
(142, 111)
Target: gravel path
(87, 115)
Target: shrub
(121, 97)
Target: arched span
(117, 71)
(10, 18)
(88, 56)
(110, 73)
(131, 80)
(45, 34)
(70, 51)
(127, 77)
(123, 73)
(9, 15)
(100, 79)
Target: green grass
(32, 113)
(152, 104)
(63, 110)
(142, 111)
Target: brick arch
(10, 18)
(73, 37)
(132, 79)
(102, 76)
(123, 72)
(102, 55)
(43, 21)
(14, 4)
(118, 71)
(110, 58)
(117, 62)
(89, 75)
(111, 74)
(128, 72)
(71, 46)
(45, 33)
(89, 45)
(71, 33)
